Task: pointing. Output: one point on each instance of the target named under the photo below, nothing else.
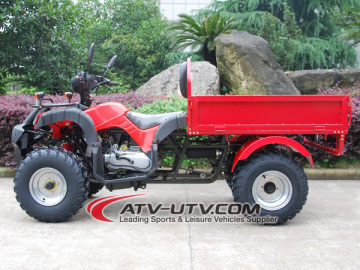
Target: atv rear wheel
(51, 185)
(274, 181)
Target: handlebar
(102, 81)
(84, 82)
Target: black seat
(168, 122)
(145, 121)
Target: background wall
(172, 8)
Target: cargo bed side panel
(269, 114)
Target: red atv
(107, 145)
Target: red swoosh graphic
(88, 208)
(97, 210)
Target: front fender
(20, 134)
(254, 144)
(88, 127)
(18, 130)
(70, 114)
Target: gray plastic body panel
(18, 130)
(176, 121)
(17, 133)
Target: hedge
(352, 140)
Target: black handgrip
(114, 83)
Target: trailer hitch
(338, 150)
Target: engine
(127, 159)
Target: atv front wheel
(51, 185)
(94, 188)
(227, 170)
(274, 181)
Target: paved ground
(325, 235)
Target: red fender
(254, 144)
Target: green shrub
(2, 83)
(29, 90)
(178, 57)
(173, 104)
(15, 108)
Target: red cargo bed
(268, 114)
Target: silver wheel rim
(272, 190)
(48, 186)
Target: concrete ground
(325, 235)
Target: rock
(205, 81)
(247, 66)
(308, 81)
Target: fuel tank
(113, 114)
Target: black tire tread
(240, 177)
(75, 165)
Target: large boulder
(247, 66)
(308, 81)
(205, 81)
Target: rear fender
(259, 142)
